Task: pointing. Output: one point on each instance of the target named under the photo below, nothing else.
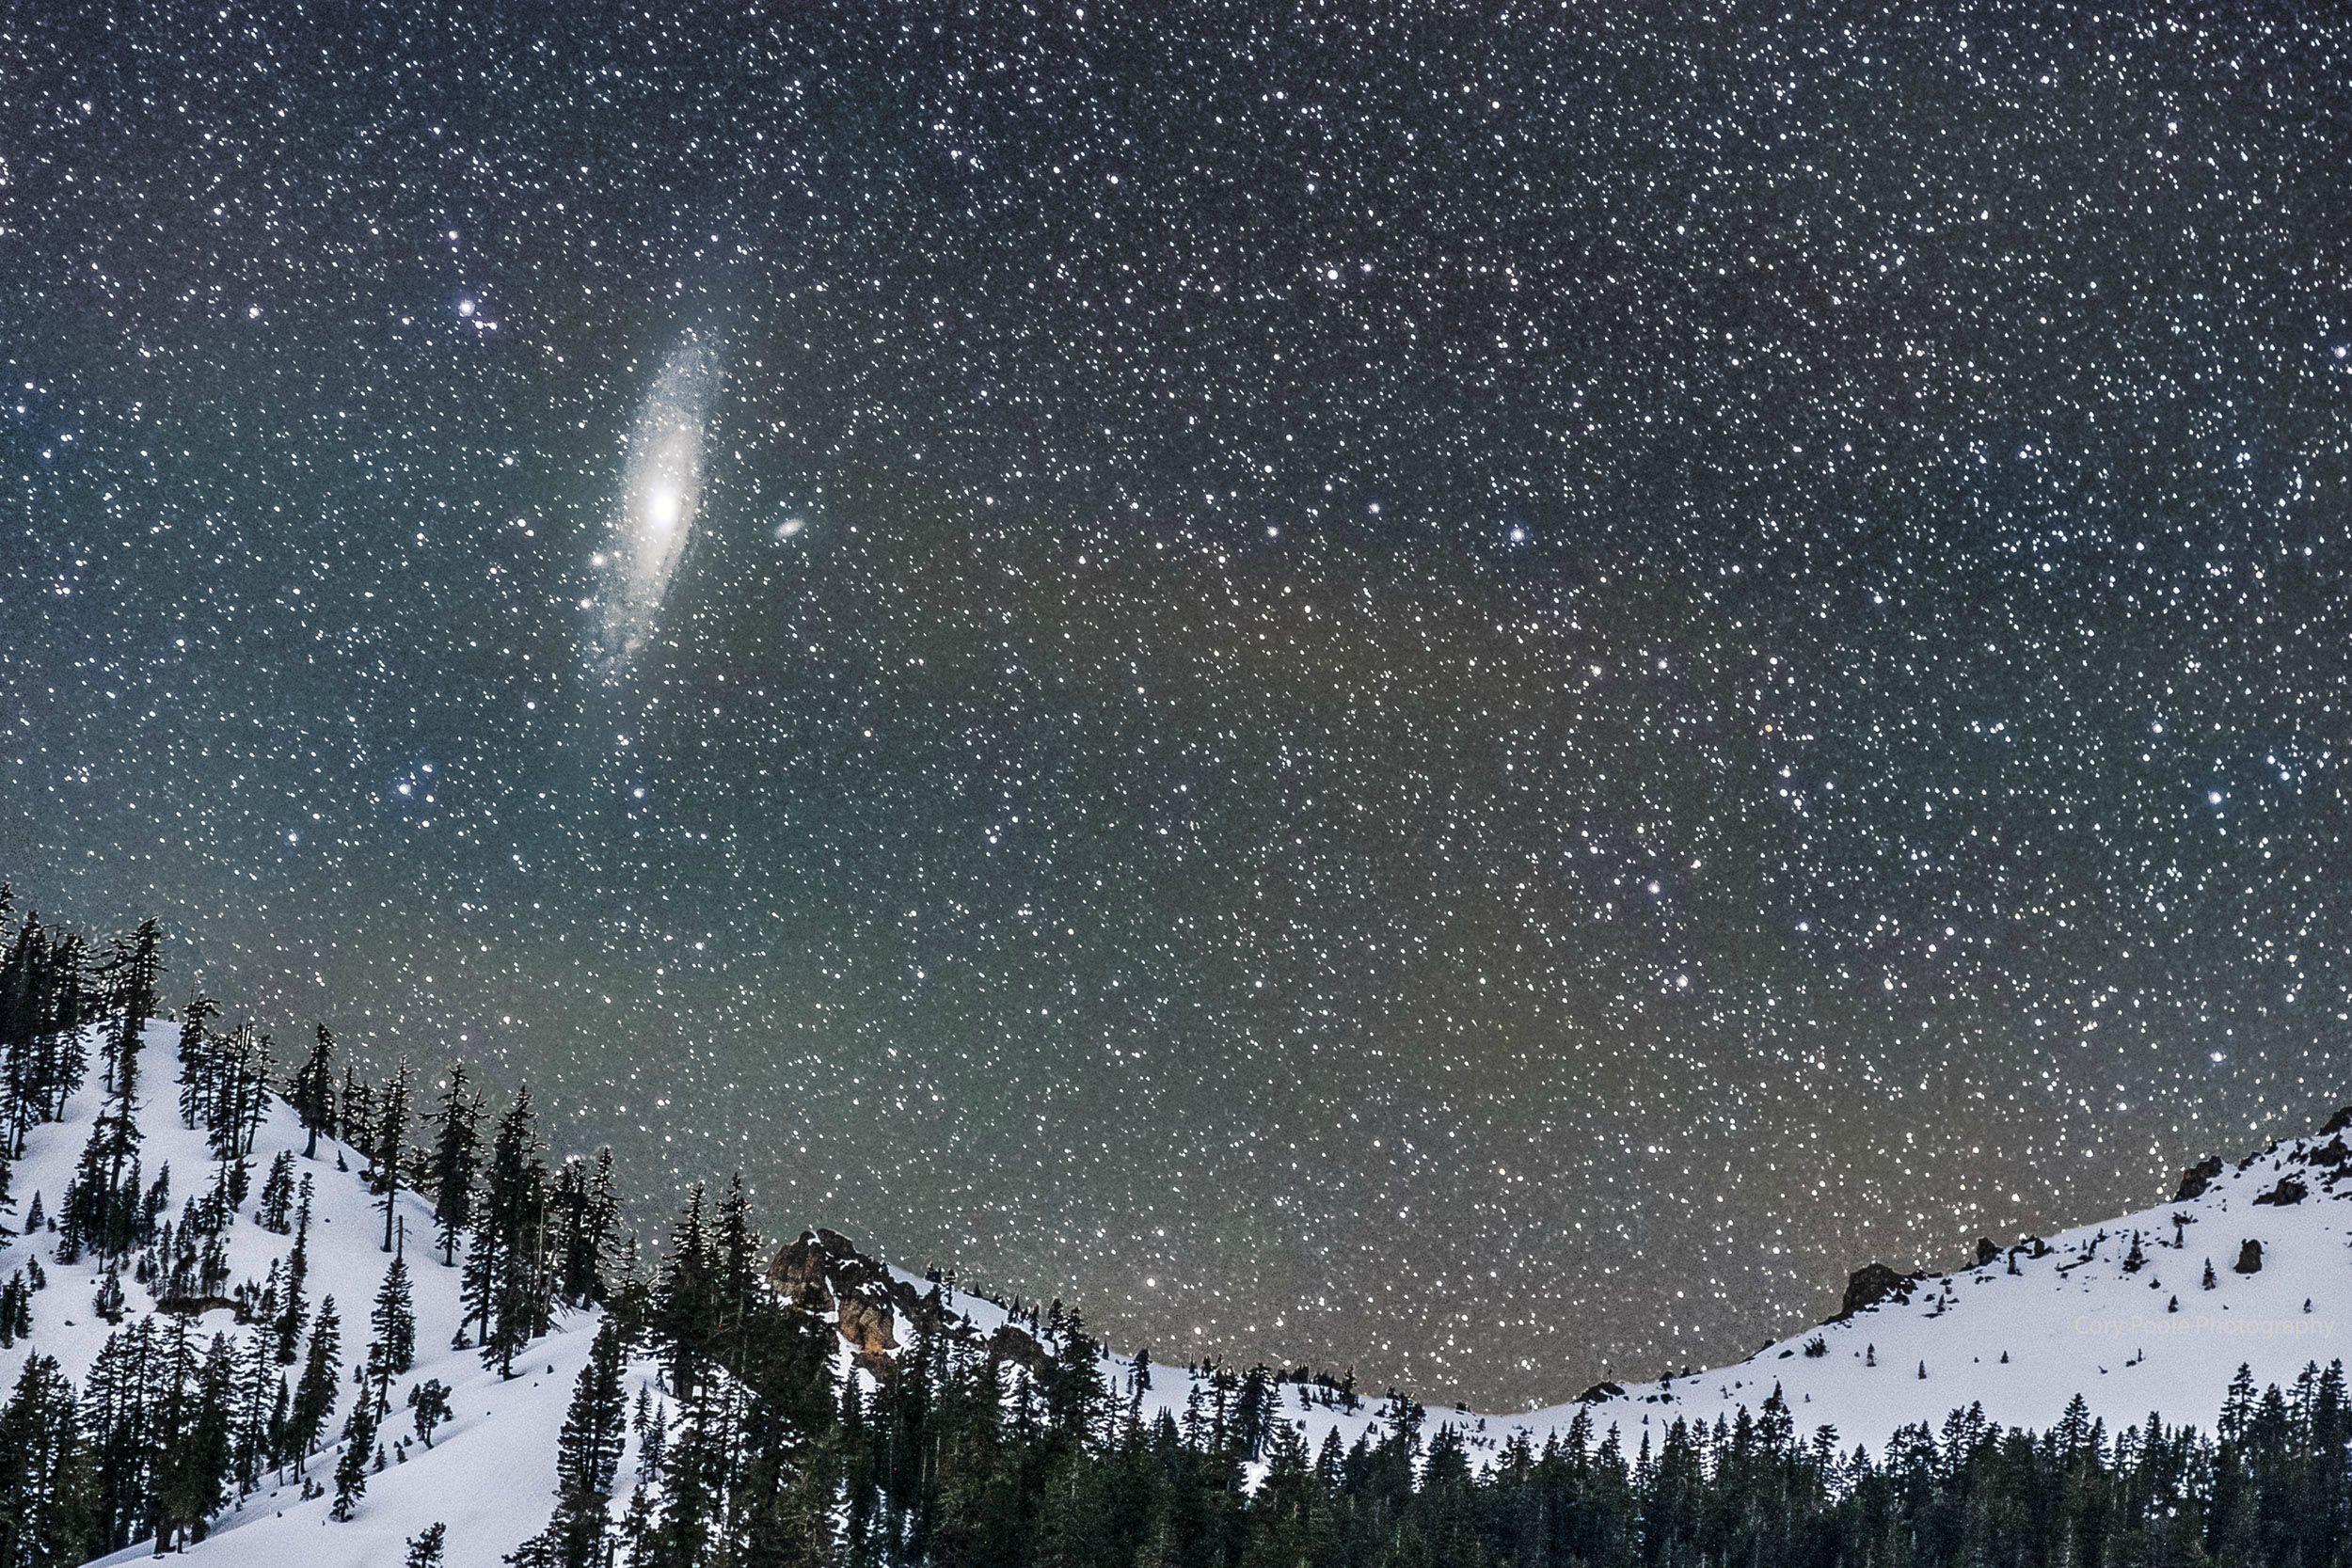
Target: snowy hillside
(490, 1473)
(2119, 1312)
(2022, 1334)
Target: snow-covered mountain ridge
(2153, 1311)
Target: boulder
(917, 1307)
(1873, 1283)
(1986, 1251)
(2250, 1258)
(824, 1272)
(2198, 1177)
(1018, 1346)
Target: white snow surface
(2021, 1345)
(2066, 1325)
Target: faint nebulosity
(1472, 690)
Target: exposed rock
(867, 1330)
(1873, 1283)
(2198, 1177)
(921, 1307)
(2332, 1152)
(2250, 1258)
(2288, 1192)
(1018, 1346)
(798, 1273)
(824, 1272)
(1601, 1391)
(1986, 1251)
(2340, 1122)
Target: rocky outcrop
(798, 1274)
(1871, 1284)
(1601, 1391)
(865, 1329)
(1986, 1251)
(873, 1308)
(1019, 1348)
(2250, 1258)
(2340, 1122)
(2198, 1177)
(2288, 1192)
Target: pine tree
(118, 1419)
(351, 1469)
(584, 1212)
(46, 1487)
(278, 1190)
(312, 1092)
(426, 1547)
(735, 1248)
(429, 1400)
(102, 1202)
(260, 1386)
(683, 1304)
(314, 1393)
(288, 1325)
(195, 1044)
(63, 1057)
(455, 1155)
(137, 973)
(587, 1460)
(391, 1137)
(358, 1110)
(394, 1321)
(195, 1465)
(506, 1284)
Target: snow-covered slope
(2080, 1319)
(2020, 1334)
(489, 1478)
(490, 1474)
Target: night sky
(1472, 690)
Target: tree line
(717, 1424)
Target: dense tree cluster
(174, 1420)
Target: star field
(1473, 691)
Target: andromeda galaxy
(660, 494)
